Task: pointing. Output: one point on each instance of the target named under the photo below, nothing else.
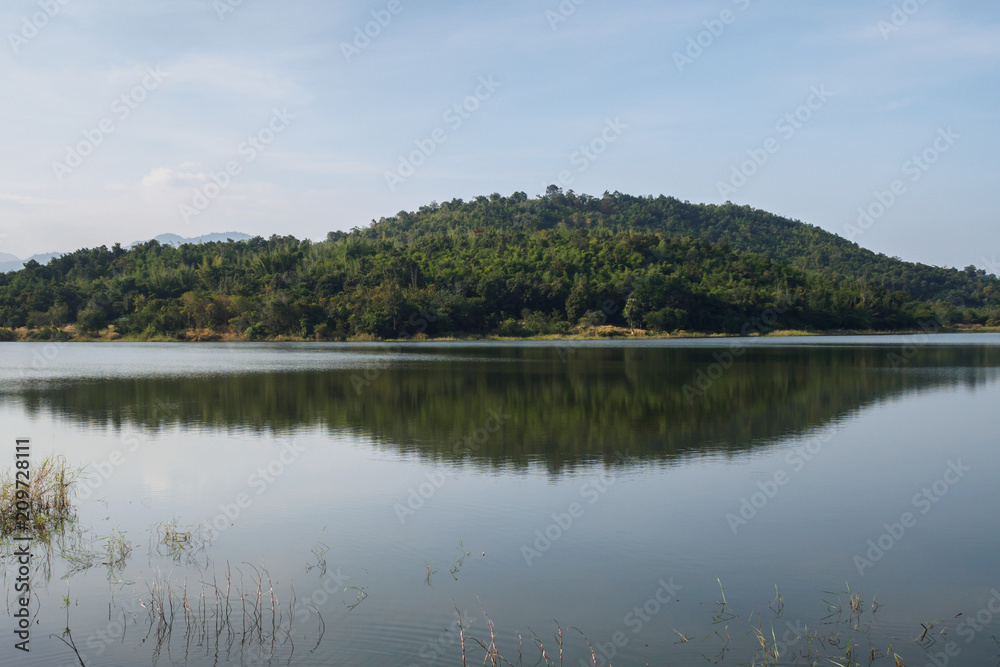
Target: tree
(632, 310)
(578, 301)
(90, 320)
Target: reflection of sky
(47, 361)
(652, 522)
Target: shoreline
(601, 334)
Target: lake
(776, 500)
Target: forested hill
(510, 266)
(744, 229)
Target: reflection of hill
(598, 402)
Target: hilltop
(741, 228)
(560, 264)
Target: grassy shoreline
(605, 333)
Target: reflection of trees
(596, 403)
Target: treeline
(509, 266)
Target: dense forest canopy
(502, 265)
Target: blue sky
(125, 120)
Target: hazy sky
(124, 120)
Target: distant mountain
(10, 262)
(177, 241)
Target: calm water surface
(374, 492)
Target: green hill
(500, 265)
(742, 228)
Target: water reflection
(559, 408)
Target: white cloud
(27, 201)
(893, 105)
(928, 37)
(167, 176)
(311, 163)
(227, 75)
